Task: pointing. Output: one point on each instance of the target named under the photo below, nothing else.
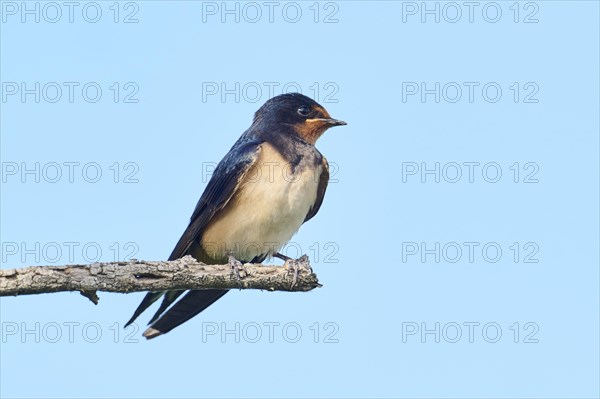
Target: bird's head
(302, 114)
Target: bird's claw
(292, 264)
(304, 259)
(237, 268)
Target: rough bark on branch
(137, 275)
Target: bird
(272, 180)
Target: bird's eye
(303, 110)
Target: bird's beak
(328, 121)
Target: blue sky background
(391, 319)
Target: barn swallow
(270, 182)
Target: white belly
(268, 210)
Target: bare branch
(138, 275)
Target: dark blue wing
(217, 194)
(323, 180)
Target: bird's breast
(269, 206)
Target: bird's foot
(294, 265)
(237, 267)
